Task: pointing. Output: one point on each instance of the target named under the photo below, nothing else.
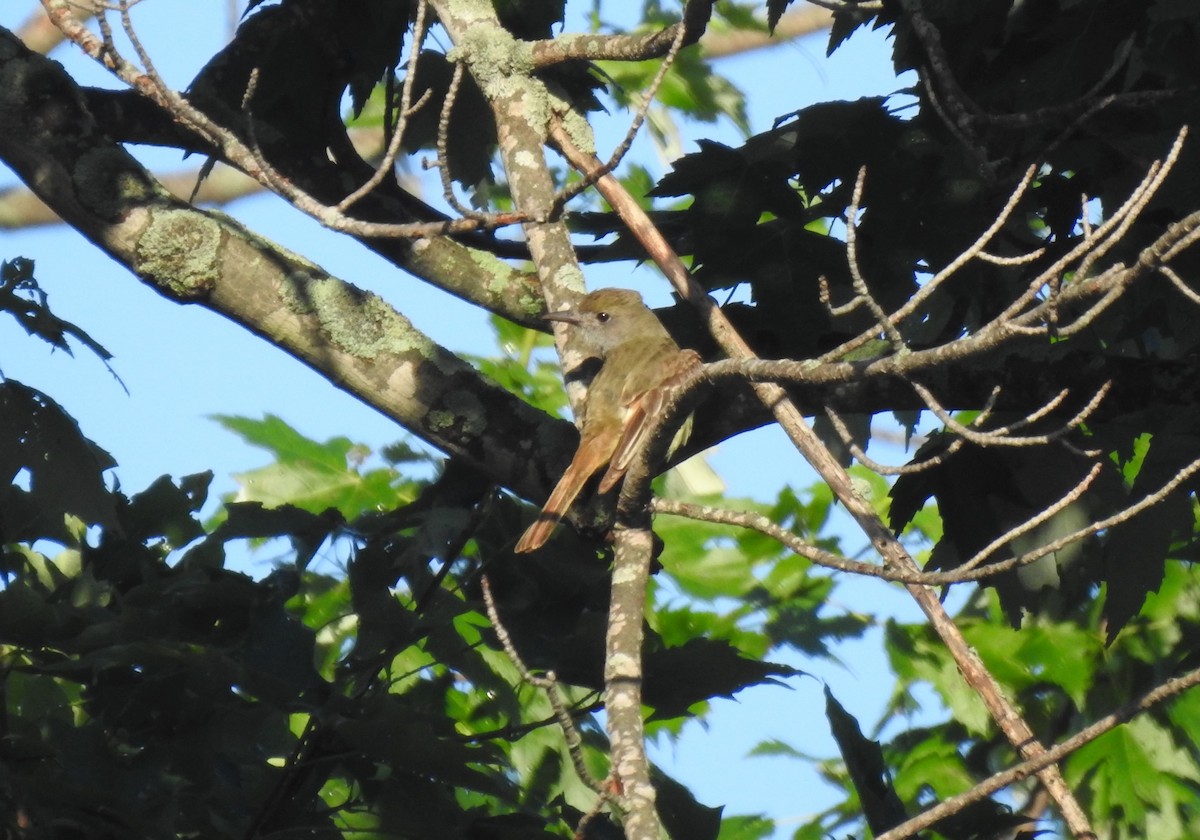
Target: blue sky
(182, 364)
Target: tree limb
(350, 337)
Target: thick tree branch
(428, 239)
(20, 208)
(352, 338)
(450, 262)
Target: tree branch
(522, 106)
(350, 337)
(1171, 688)
(1016, 730)
(636, 47)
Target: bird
(640, 366)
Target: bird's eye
(602, 317)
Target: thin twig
(1069, 498)
(864, 295)
(849, 5)
(932, 285)
(826, 559)
(839, 426)
(1178, 283)
(407, 109)
(239, 154)
(1124, 515)
(1110, 228)
(639, 116)
(443, 145)
(1003, 436)
(548, 684)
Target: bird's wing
(642, 405)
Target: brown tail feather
(592, 454)
(565, 491)
(535, 535)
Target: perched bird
(640, 364)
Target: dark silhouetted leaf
(676, 678)
(867, 768)
(63, 468)
(681, 814)
(775, 10)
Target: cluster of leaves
(1090, 93)
(151, 691)
(1038, 85)
(1064, 676)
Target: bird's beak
(566, 316)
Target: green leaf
(931, 763)
(776, 748)
(746, 828)
(1120, 768)
(914, 655)
(310, 475)
(284, 442)
(1136, 550)
(714, 573)
(1061, 654)
(691, 87)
